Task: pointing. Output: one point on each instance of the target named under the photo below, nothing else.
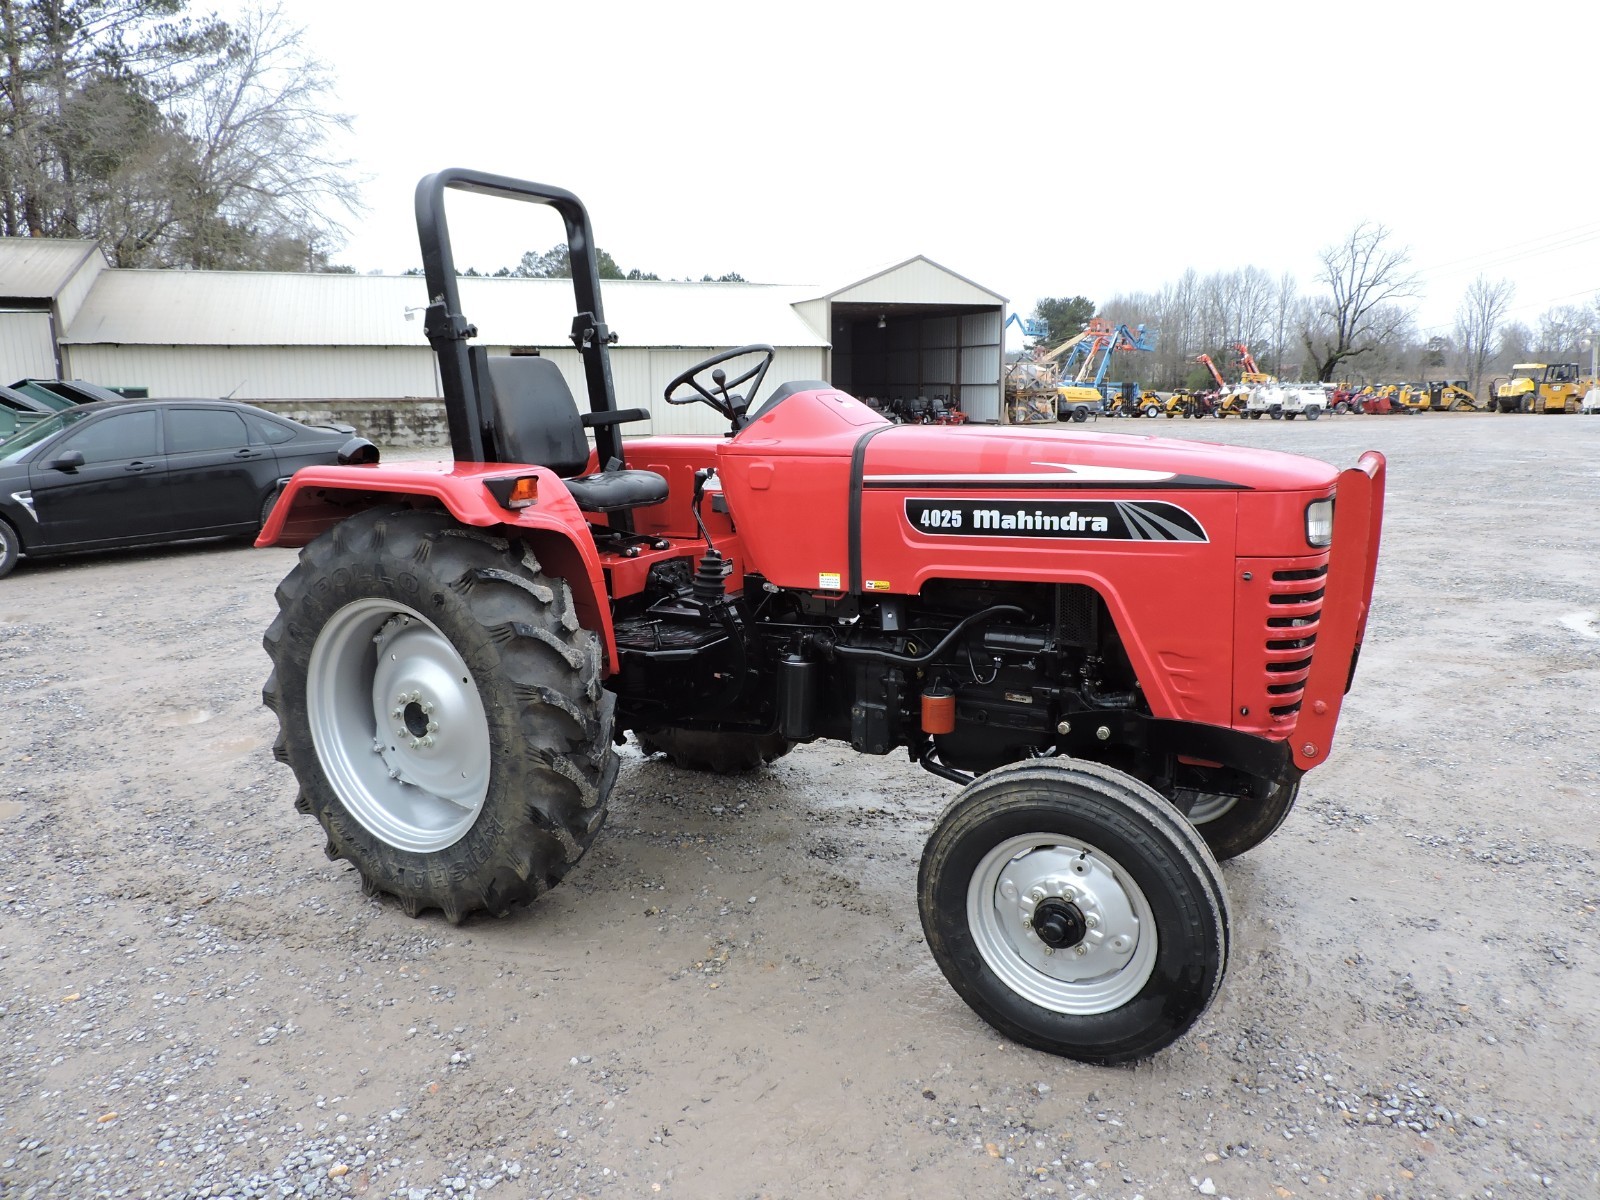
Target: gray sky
(1039, 149)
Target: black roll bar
(448, 329)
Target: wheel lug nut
(1080, 949)
(1092, 921)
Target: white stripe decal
(1066, 473)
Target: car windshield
(13, 449)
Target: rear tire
(1232, 825)
(1080, 414)
(470, 768)
(10, 549)
(1138, 920)
(715, 752)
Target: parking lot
(730, 996)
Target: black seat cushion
(535, 420)
(613, 491)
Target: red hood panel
(927, 456)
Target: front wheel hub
(1059, 923)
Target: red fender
(553, 527)
(1357, 530)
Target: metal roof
(250, 308)
(38, 268)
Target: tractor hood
(1056, 458)
(830, 423)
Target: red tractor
(462, 646)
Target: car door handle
(247, 453)
(136, 467)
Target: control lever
(700, 478)
(713, 568)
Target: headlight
(1319, 522)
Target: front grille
(1294, 602)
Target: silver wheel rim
(398, 725)
(1105, 970)
(1208, 806)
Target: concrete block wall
(396, 424)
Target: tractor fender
(552, 527)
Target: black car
(135, 472)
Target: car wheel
(1075, 910)
(1080, 414)
(10, 549)
(267, 505)
(441, 708)
(716, 752)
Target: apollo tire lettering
(1078, 520)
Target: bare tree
(1359, 315)
(265, 187)
(1285, 297)
(171, 140)
(1560, 330)
(1478, 320)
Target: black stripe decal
(858, 468)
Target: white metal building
(43, 281)
(910, 330)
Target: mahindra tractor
(463, 646)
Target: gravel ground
(730, 997)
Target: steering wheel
(725, 400)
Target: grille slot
(1293, 610)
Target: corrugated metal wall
(639, 374)
(917, 281)
(77, 288)
(980, 336)
(260, 372)
(27, 351)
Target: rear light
(1319, 523)
(515, 493)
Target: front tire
(1075, 910)
(441, 708)
(10, 548)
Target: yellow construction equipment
(1540, 388)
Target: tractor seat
(534, 419)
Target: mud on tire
(715, 752)
(483, 778)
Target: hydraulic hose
(917, 660)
